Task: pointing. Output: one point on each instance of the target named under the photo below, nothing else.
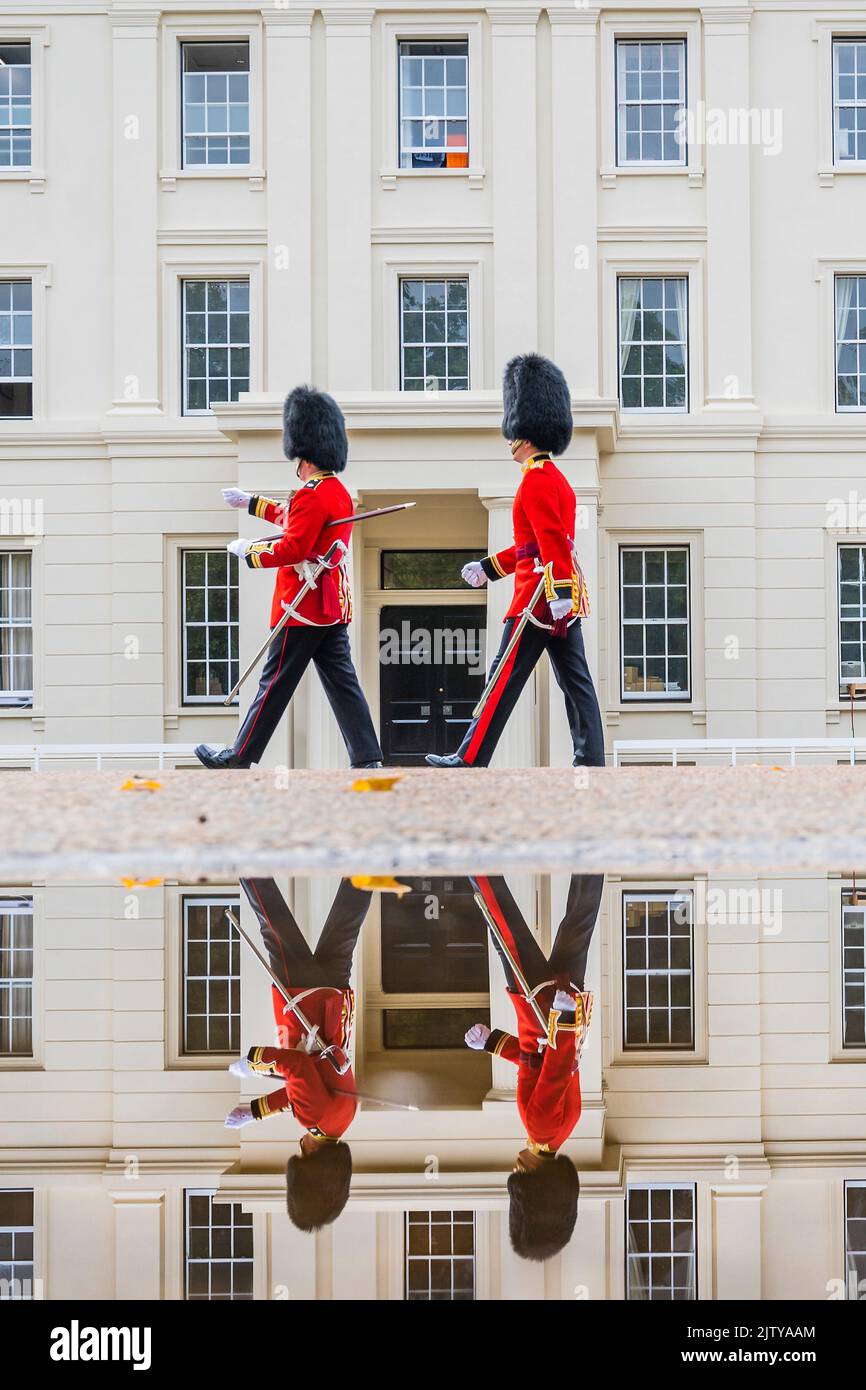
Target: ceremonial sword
(512, 643)
(325, 1052)
(336, 548)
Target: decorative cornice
(423, 236)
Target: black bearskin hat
(314, 429)
(317, 1185)
(537, 403)
(543, 1208)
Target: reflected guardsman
(553, 1011)
(311, 1057)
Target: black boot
(357, 765)
(445, 760)
(217, 757)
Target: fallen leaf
(374, 784)
(379, 883)
(141, 784)
(131, 883)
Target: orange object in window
(459, 159)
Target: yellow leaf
(374, 784)
(373, 883)
(140, 784)
(131, 883)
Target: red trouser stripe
(503, 677)
(486, 890)
(266, 694)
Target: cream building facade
(391, 200)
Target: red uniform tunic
(548, 1084)
(543, 516)
(306, 536)
(317, 1096)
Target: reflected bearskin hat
(537, 403)
(314, 429)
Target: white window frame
(619, 890)
(35, 711)
(175, 1058)
(464, 279)
(674, 902)
(667, 1187)
(825, 29)
(837, 41)
(184, 73)
(838, 703)
(407, 1258)
(848, 545)
(229, 345)
(426, 267)
(12, 698)
(654, 697)
(203, 30)
(39, 275)
(32, 1281)
(392, 33)
(39, 38)
(175, 269)
(619, 261)
(175, 709)
(11, 127)
(22, 906)
(622, 161)
(844, 409)
(662, 25)
(630, 411)
(15, 314)
(854, 1293)
(185, 1257)
(695, 706)
(35, 1060)
(198, 701)
(838, 888)
(445, 116)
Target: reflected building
(718, 1123)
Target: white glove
(473, 574)
(238, 547)
(240, 1116)
(560, 608)
(241, 1067)
(305, 571)
(563, 1000)
(477, 1036)
(233, 497)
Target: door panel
(431, 673)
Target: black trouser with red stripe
(329, 966)
(567, 963)
(568, 659)
(289, 655)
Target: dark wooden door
(431, 673)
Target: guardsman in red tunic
(537, 420)
(543, 1188)
(318, 1085)
(314, 432)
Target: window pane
(433, 80)
(211, 977)
(434, 333)
(658, 965)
